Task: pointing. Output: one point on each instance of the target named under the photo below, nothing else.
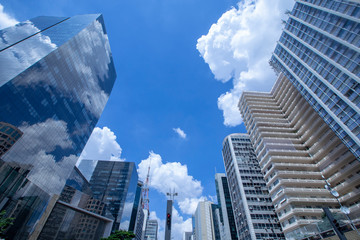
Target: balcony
(302, 211)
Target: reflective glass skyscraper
(319, 52)
(56, 76)
(116, 184)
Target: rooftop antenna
(145, 204)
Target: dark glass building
(226, 211)
(116, 184)
(56, 76)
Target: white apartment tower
(297, 152)
(253, 211)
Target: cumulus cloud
(238, 48)
(172, 175)
(102, 145)
(5, 19)
(180, 132)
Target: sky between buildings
(181, 67)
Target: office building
(56, 76)
(151, 230)
(116, 184)
(319, 52)
(253, 210)
(77, 215)
(204, 227)
(297, 152)
(226, 214)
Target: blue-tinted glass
(54, 94)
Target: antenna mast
(145, 204)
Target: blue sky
(181, 67)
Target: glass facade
(56, 77)
(319, 52)
(116, 184)
(76, 215)
(226, 211)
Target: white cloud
(5, 19)
(102, 145)
(39, 141)
(180, 132)
(172, 175)
(239, 46)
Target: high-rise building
(319, 52)
(204, 223)
(297, 152)
(253, 211)
(228, 226)
(116, 184)
(56, 76)
(151, 230)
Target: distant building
(188, 236)
(56, 77)
(297, 151)
(151, 230)
(253, 211)
(116, 184)
(204, 223)
(77, 215)
(9, 135)
(228, 226)
(319, 52)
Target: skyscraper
(319, 52)
(56, 76)
(226, 212)
(116, 184)
(253, 210)
(204, 223)
(151, 230)
(297, 151)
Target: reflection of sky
(35, 148)
(22, 55)
(87, 168)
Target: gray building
(151, 230)
(253, 211)
(319, 52)
(56, 76)
(227, 222)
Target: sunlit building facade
(297, 151)
(253, 211)
(56, 76)
(319, 52)
(204, 222)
